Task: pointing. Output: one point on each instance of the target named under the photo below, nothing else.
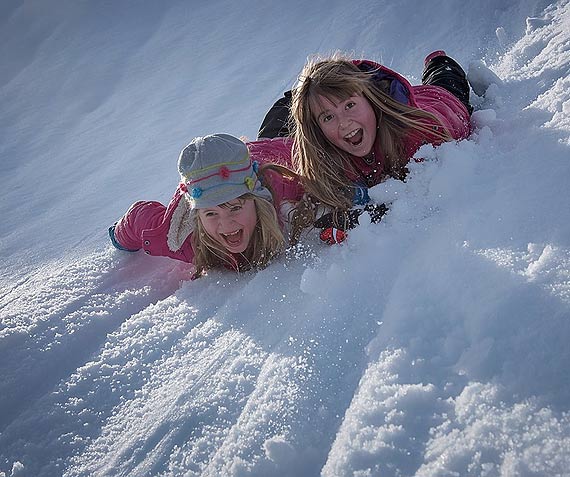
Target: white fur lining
(181, 225)
(284, 216)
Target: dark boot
(441, 70)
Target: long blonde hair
(321, 165)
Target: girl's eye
(209, 214)
(350, 105)
(236, 208)
(326, 118)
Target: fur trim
(181, 225)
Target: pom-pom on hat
(216, 169)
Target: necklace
(370, 158)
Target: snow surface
(432, 344)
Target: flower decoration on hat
(183, 187)
(224, 172)
(196, 192)
(249, 182)
(255, 166)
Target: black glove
(346, 220)
(375, 211)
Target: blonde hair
(300, 216)
(323, 166)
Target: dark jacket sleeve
(276, 121)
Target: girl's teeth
(354, 137)
(351, 134)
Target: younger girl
(357, 122)
(230, 209)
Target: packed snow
(434, 343)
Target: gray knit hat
(216, 169)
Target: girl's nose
(343, 121)
(225, 223)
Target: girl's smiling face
(349, 124)
(231, 224)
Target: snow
(434, 343)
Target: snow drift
(433, 343)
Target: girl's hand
(331, 236)
(346, 220)
(335, 225)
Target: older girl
(357, 122)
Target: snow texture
(434, 343)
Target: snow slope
(431, 344)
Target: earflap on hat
(181, 225)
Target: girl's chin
(358, 152)
(236, 249)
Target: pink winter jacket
(450, 112)
(145, 225)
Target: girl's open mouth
(355, 137)
(234, 238)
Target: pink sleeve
(276, 151)
(142, 215)
(449, 111)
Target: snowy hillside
(432, 344)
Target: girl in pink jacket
(356, 122)
(359, 122)
(231, 208)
